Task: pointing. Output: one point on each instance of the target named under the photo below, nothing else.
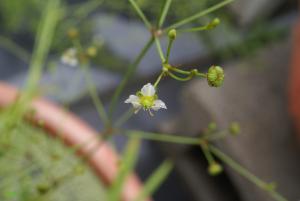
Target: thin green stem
(201, 75)
(182, 79)
(209, 157)
(162, 137)
(95, 98)
(245, 173)
(124, 118)
(155, 180)
(164, 13)
(195, 29)
(199, 14)
(129, 159)
(141, 14)
(42, 46)
(170, 43)
(216, 136)
(159, 50)
(131, 70)
(158, 79)
(185, 72)
(15, 49)
(82, 10)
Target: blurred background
(254, 45)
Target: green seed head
(215, 22)
(43, 188)
(234, 128)
(215, 76)
(212, 126)
(172, 34)
(215, 169)
(91, 51)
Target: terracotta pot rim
(64, 124)
(294, 80)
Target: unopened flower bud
(172, 34)
(212, 126)
(215, 169)
(43, 188)
(73, 33)
(234, 128)
(91, 51)
(215, 22)
(215, 76)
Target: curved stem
(199, 14)
(185, 72)
(183, 79)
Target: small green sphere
(172, 34)
(215, 22)
(234, 128)
(43, 188)
(215, 76)
(215, 169)
(212, 126)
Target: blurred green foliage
(36, 166)
(20, 16)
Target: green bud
(194, 72)
(215, 169)
(215, 76)
(43, 188)
(91, 51)
(215, 22)
(172, 34)
(212, 126)
(234, 128)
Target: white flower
(69, 57)
(146, 99)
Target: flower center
(147, 101)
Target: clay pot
(63, 124)
(294, 85)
